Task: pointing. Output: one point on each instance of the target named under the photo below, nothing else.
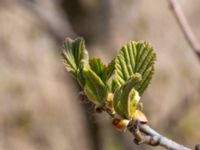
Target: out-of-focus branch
(185, 27)
(53, 23)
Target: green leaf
(112, 86)
(73, 53)
(94, 87)
(99, 68)
(126, 98)
(135, 57)
(110, 69)
(111, 83)
(89, 74)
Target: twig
(144, 134)
(160, 140)
(57, 28)
(185, 27)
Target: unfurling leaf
(94, 87)
(73, 53)
(110, 69)
(99, 68)
(117, 86)
(90, 74)
(112, 84)
(135, 57)
(134, 67)
(126, 98)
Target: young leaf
(88, 74)
(73, 52)
(94, 87)
(126, 98)
(110, 69)
(99, 68)
(135, 57)
(112, 85)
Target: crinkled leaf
(126, 98)
(73, 52)
(112, 85)
(94, 87)
(110, 69)
(135, 57)
(99, 68)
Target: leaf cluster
(125, 78)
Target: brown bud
(120, 124)
(99, 109)
(140, 116)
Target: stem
(155, 137)
(185, 27)
(144, 134)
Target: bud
(140, 116)
(109, 103)
(120, 124)
(99, 109)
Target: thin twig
(57, 28)
(144, 134)
(155, 137)
(185, 27)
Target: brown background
(39, 106)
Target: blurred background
(39, 105)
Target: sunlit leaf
(126, 77)
(110, 69)
(135, 57)
(126, 98)
(94, 87)
(73, 53)
(99, 68)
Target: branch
(57, 28)
(184, 25)
(155, 139)
(143, 134)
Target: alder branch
(154, 139)
(143, 134)
(185, 27)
